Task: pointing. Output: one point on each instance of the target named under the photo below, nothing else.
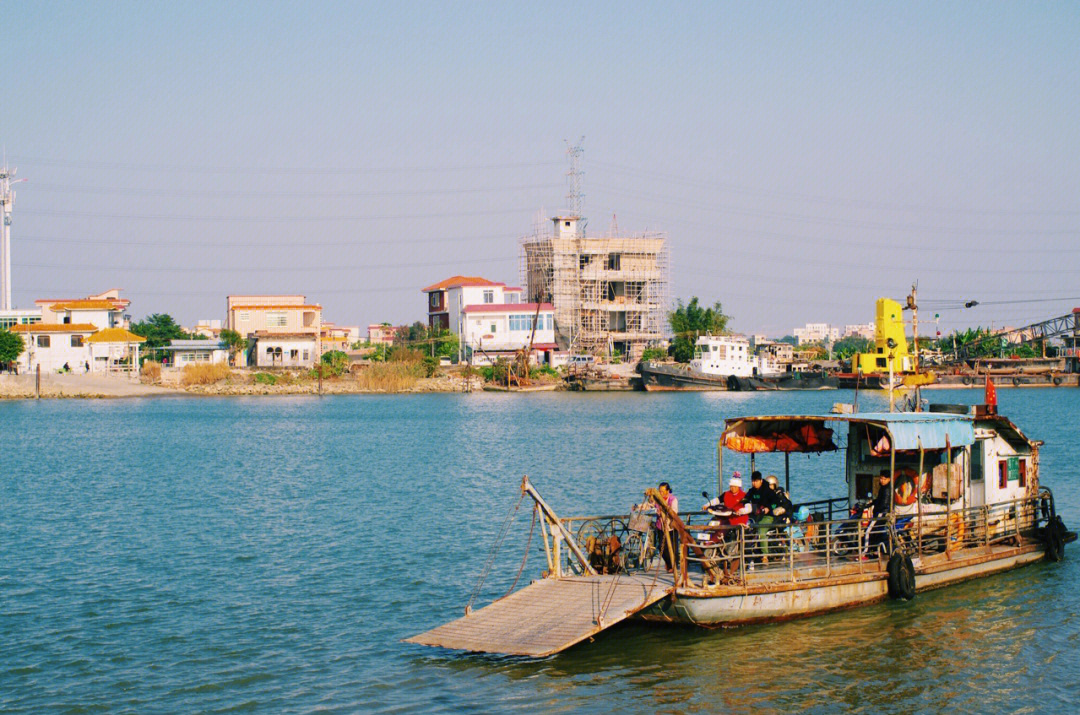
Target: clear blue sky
(804, 158)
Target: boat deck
(550, 615)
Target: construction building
(610, 294)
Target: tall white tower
(7, 203)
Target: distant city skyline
(803, 160)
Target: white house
(82, 334)
(284, 349)
(186, 352)
(493, 330)
(447, 299)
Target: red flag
(991, 396)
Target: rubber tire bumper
(1055, 539)
(901, 577)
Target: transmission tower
(7, 203)
(575, 197)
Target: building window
(494, 328)
(613, 261)
(489, 296)
(306, 355)
(76, 341)
(1022, 468)
(277, 319)
(43, 341)
(436, 299)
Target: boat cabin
(937, 461)
(731, 355)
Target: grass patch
(204, 373)
(151, 371)
(390, 376)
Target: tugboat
(724, 362)
(957, 495)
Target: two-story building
(82, 334)
(284, 329)
(446, 300)
(490, 319)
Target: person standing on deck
(665, 530)
(760, 498)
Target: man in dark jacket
(761, 500)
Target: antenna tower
(575, 197)
(7, 203)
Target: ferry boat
(966, 501)
(725, 362)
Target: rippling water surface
(216, 555)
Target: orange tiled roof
(54, 328)
(85, 305)
(459, 281)
(115, 335)
(276, 307)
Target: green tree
(158, 329)
(234, 342)
(844, 348)
(336, 360)
(11, 346)
(691, 320)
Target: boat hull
(661, 377)
(787, 381)
(780, 602)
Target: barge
(964, 500)
(724, 362)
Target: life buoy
(1016, 382)
(902, 476)
(966, 380)
(1056, 380)
(901, 572)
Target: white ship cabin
(730, 355)
(953, 459)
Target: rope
(532, 528)
(491, 554)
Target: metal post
(918, 496)
(37, 381)
(787, 473)
(720, 464)
(556, 524)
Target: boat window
(1022, 468)
(977, 468)
(1003, 474)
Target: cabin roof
(908, 430)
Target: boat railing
(761, 553)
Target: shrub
(431, 366)
(204, 373)
(151, 371)
(402, 354)
(334, 363)
(653, 354)
(265, 378)
(542, 371)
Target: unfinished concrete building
(610, 293)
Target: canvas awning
(809, 433)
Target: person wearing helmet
(782, 507)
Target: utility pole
(912, 304)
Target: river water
(268, 554)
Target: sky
(803, 158)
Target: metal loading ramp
(550, 615)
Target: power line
(856, 203)
(272, 269)
(267, 219)
(210, 193)
(351, 242)
(842, 222)
(282, 170)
